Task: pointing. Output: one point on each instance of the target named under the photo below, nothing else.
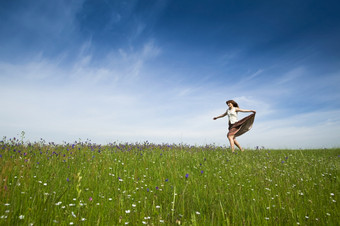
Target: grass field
(118, 184)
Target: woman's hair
(233, 102)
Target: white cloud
(122, 100)
(292, 75)
(308, 130)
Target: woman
(237, 127)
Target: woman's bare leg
(237, 144)
(231, 141)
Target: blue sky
(131, 71)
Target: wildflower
(202, 171)
(90, 199)
(67, 179)
(71, 223)
(332, 194)
(73, 214)
(161, 221)
(157, 207)
(157, 188)
(186, 175)
(83, 219)
(198, 213)
(166, 180)
(21, 217)
(127, 211)
(133, 205)
(306, 217)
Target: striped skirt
(242, 126)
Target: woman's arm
(243, 110)
(221, 116)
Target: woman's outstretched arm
(221, 116)
(243, 110)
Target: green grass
(136, 184)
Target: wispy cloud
(291, 76)
(316, 129)
(130, 71)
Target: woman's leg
(237, 144)
(231, 141)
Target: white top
(232, 115)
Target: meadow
(82, 183)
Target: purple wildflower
(202, 171)
(68, 180)
(157, 188)
(186, 176)
(166, 180)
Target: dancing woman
(237, 127)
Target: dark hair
(233, 102)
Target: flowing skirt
(242, 126)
